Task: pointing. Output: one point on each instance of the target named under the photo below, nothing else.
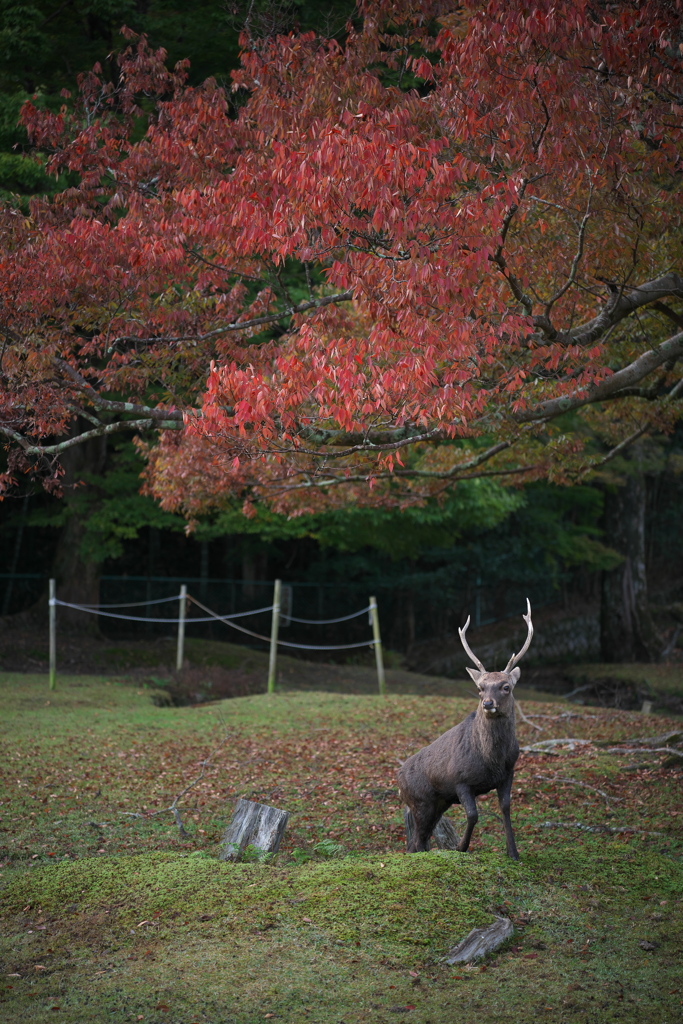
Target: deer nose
(488, 704)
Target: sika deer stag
(474, 757)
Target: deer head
(495, 688)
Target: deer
(473, 758)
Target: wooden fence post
(274, 628)
(374, 619)
(181, 628)
(52, 615)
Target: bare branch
(173, 807)
(240, 325)
(611, 830)
(626, 377)
(365, 477)
(622, 446)
(615, 311)
(111, 406)
(527, 721)
(499, 258)
(583, 785)
(13, 435)
(662, 307)
(102, 431)
(577, 258)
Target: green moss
(156, 921)
(327, 940)
(391, 902)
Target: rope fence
(183, 621)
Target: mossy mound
(168, 937)
(394, 903)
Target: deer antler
(516, 658)
(475, 659)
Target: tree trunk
(77, 574)
(256, 825)
(626, 629)
(7, 600)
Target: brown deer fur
(472, 758)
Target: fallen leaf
(647, 945)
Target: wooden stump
(256, 825)
(481, 941)
(444, 835)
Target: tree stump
(444, 835)
(256, 825)
(481, 941)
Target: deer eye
(506, 688)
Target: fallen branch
(546, 746)
(173, 807)
(662, 740)
(524, 718)
(566, 714)
(671, 751)
(579, 689)
(598, 828)
(583, 785)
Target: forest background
(568, 543)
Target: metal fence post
(374, 618)
(181, 628)
(275, 625)
(52, 614)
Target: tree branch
(622, 446)
(337, 481)
(662, 307)
(615, 311)
(626, 377)
(101, 431)
(583, 785)
(241, 325)
(173, 807)
(577, 258)
(112, 406)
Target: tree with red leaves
(445, 247)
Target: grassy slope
(115, 918)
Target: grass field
(110, 917)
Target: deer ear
(514, 676)
(476, 675)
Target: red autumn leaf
(468, 290)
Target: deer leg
(504, 791)
(466, 798)
(425, 817)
